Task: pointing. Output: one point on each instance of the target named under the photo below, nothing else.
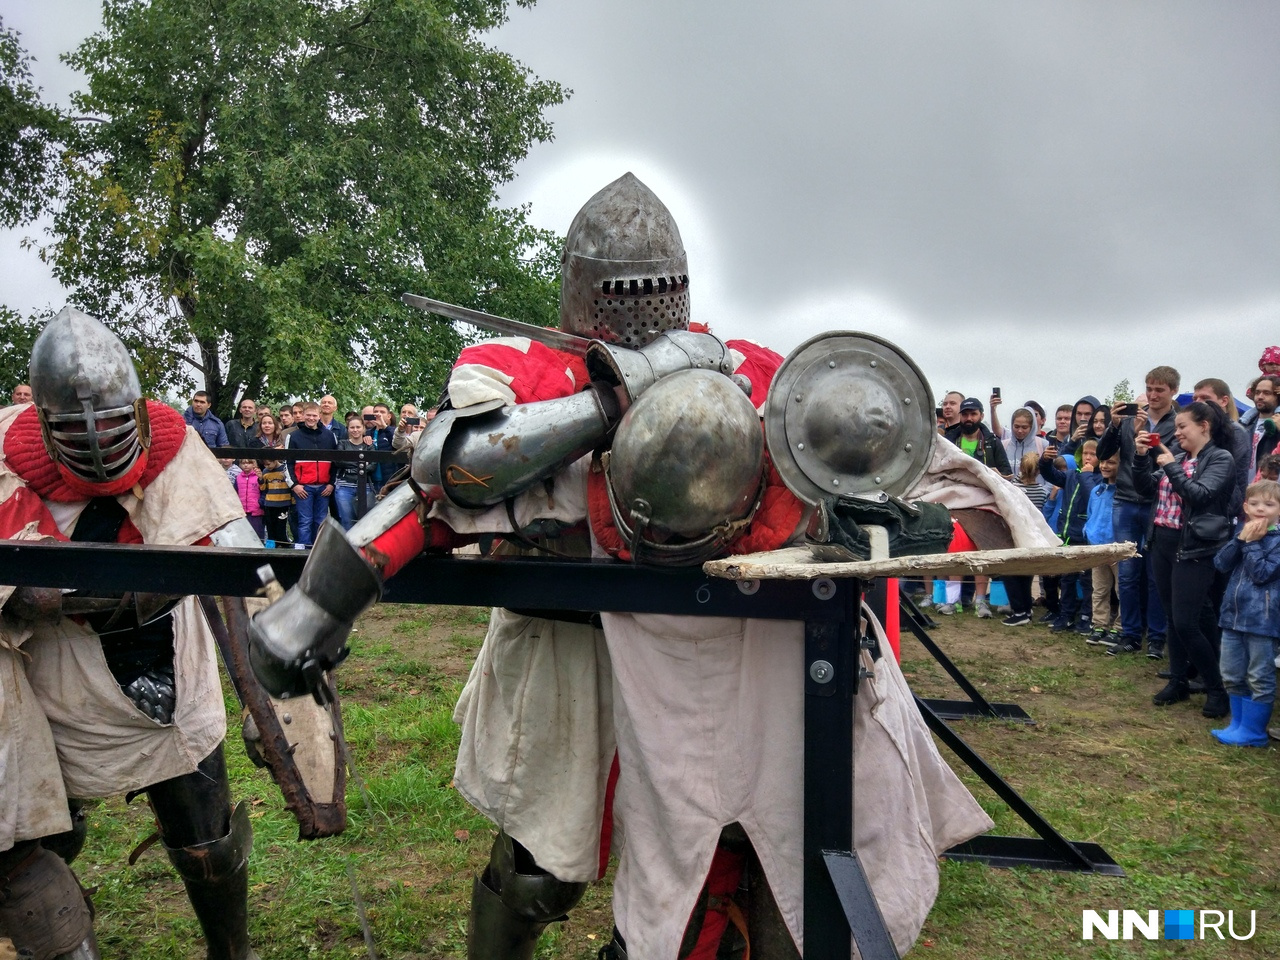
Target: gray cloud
(1044, 195)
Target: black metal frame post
(838, 899)
(834, 881)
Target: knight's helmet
(81, 375)
(685, 473)
(624, 277)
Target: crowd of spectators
(1191, 481)
(287, 499)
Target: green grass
(1194, 825)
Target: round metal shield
(849, 413)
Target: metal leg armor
(42, 908)
(209, 845)
(512, 902)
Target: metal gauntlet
(303, 634)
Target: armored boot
(512, 902)
(210, 851)
(216, 875)
(42, 908)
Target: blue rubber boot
(1237, 717)
(1253, 726)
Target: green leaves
(266, 177)
(28, 135)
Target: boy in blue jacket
(1098, 530)
(1250, 618)
(1076, 486)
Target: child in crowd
(246, 482)
(1269, 467)
(277, 499)
(1019, 587)
(232, 468)
(1029, 478)
(1249, 622)
(1098, 530)
(1076, 588)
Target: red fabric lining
(600, 514)
(759, 365)
(25, 507)
(776, 520)
(960, 541)
(24, 450)
(538, 373)
(404, 541)
(606, 823)
(722, 884)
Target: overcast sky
(1046, 196)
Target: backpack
(1098, 528)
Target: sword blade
(488, 321)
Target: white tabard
(708, 719)
(104, 744)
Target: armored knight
(649, 449)
(102, 695)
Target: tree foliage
(264, 178)
(1122, 392)
(29, 130)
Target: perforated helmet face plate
(637, 321)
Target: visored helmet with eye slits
(624, 273)
(81, 375)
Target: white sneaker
(947, 609)
(981, 608)
(924, 604)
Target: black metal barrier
(1047, 851)
(839, 907)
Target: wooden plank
(798, 563)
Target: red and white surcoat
(66, 728)
(705, 716)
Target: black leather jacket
(1207, 492)
(990, 450)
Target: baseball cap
(971, 403)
